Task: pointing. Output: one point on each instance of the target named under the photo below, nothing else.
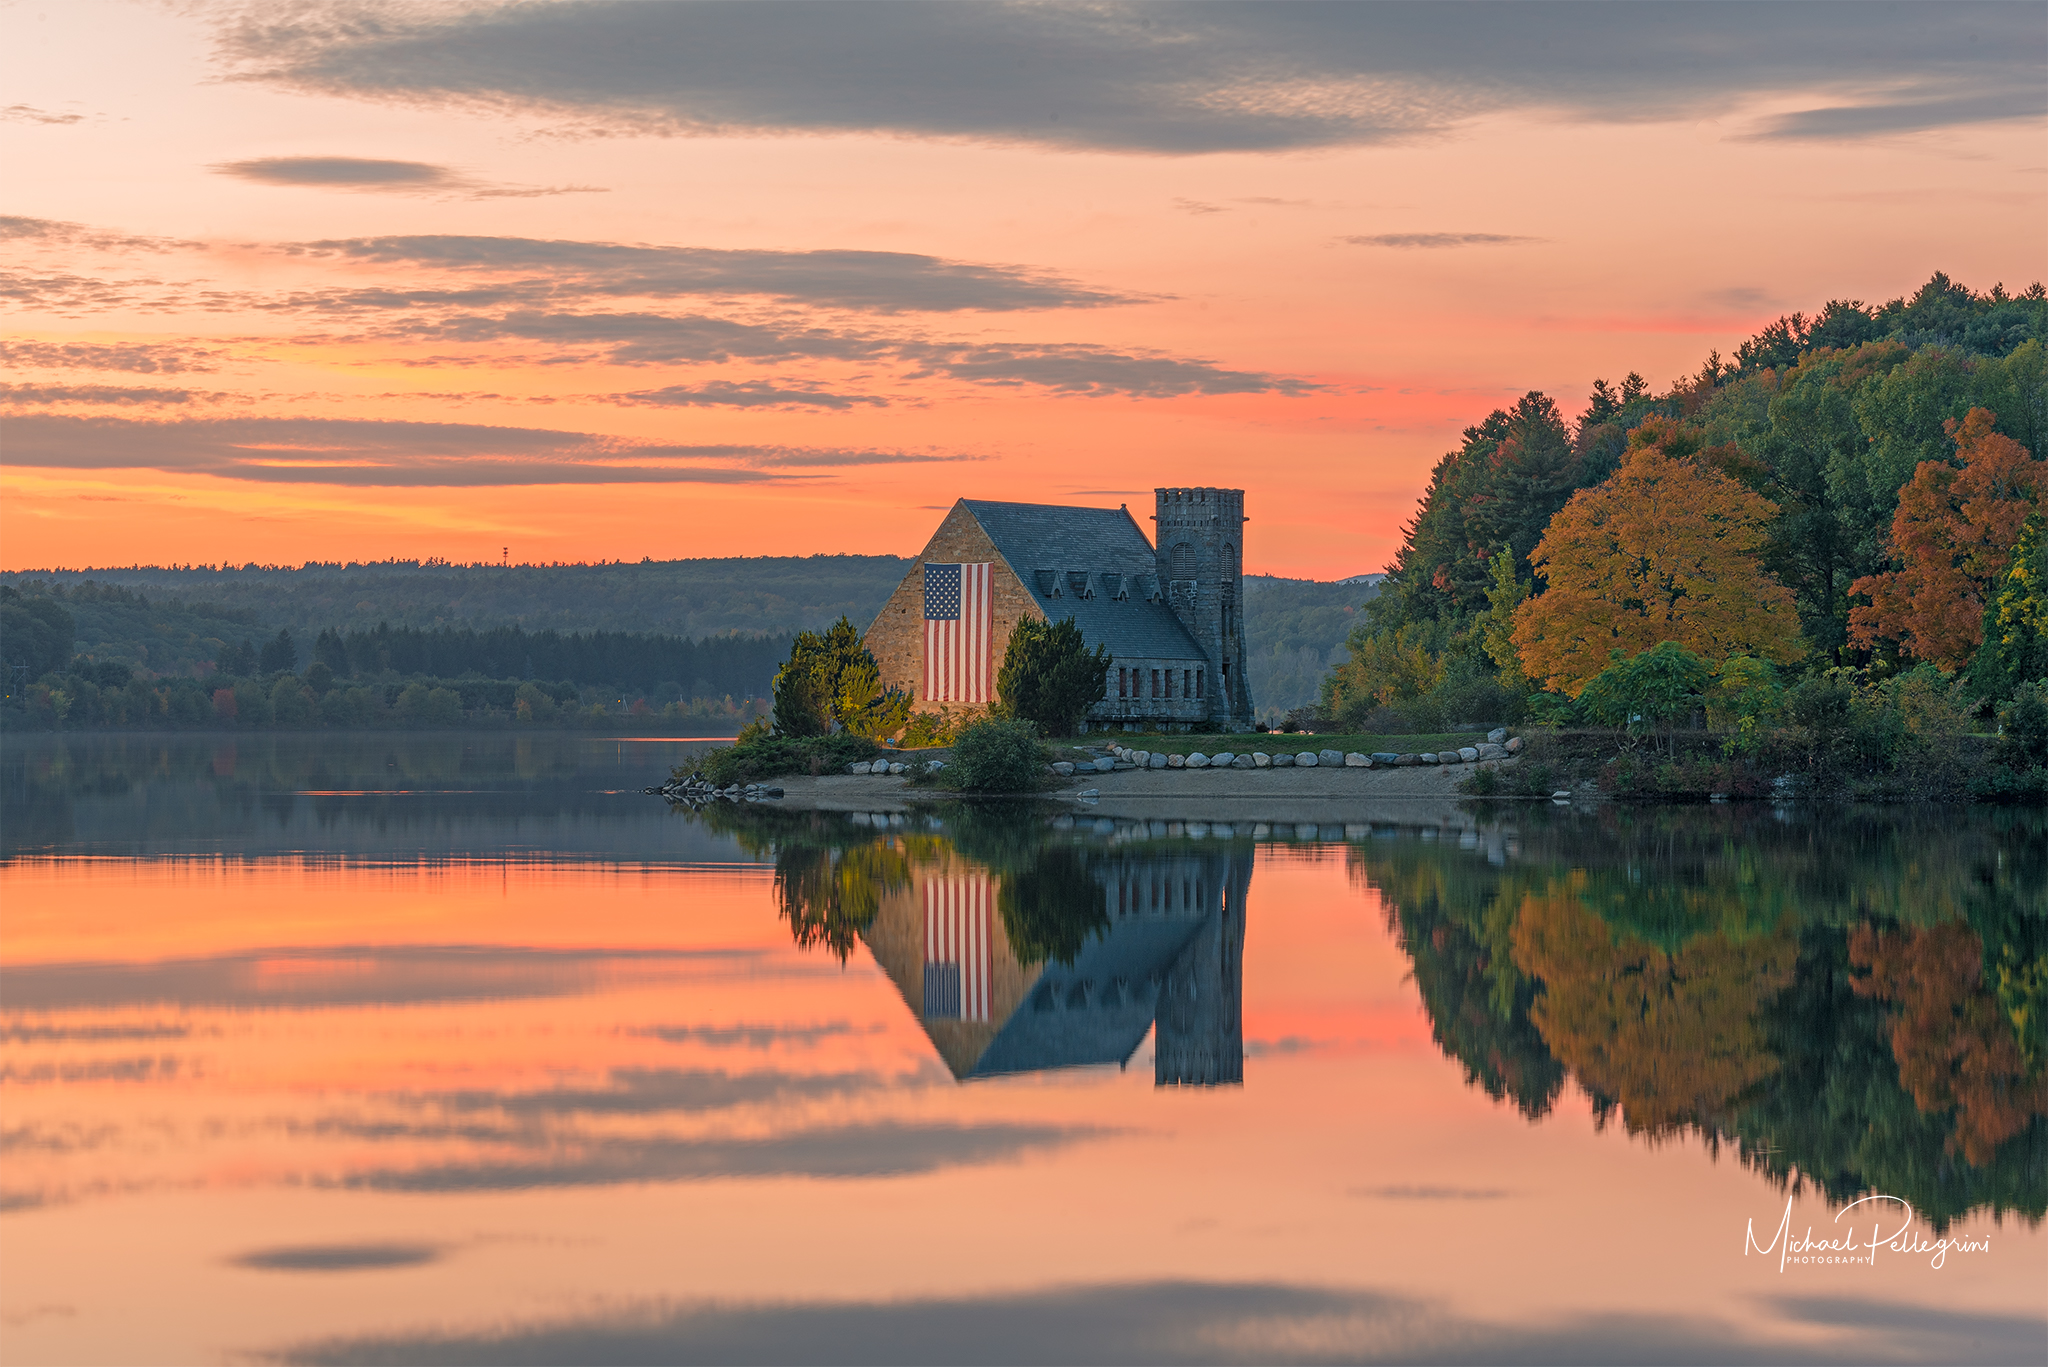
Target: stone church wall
(897, 635)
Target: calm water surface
(424, 1049)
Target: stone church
(1170, 609)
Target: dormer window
(1077, 584)
(1113, 586)
(1048, 583)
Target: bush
(996, 756)
(2023, 727)
(760, 756)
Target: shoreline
(1228, 794)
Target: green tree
(1497, 627)
(808, 688)
(279, 656)
(2015, 647)
(34, 632)
(1050, 677)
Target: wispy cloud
(1439, 240)
(880, 282)
(105, 395)
(1175, 79)
(370, 453)
(28, 113)
(745, 394)
(370, 173)
(135, 357)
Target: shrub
(996, 755)
(931, 728)
(764, 756)
(2023, 724)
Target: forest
(192, 633)
(1845, 518)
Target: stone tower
(1200, 547)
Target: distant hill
(171, 620)
(766, 595)
(1294, 633)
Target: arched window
(1183, 561)
(1229, 563)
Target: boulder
(1063, 768)
(1330, 757)
(1469, 753)
(899, 767)
(1429, 757)
(1176, 761)
(1355, 760)
(1491, 751)
(1139, 757)
(1306, 759)
(858, 767)
(1198, 760)
(1513, 745)
(1283, 761)
(1222, 760)
(1407, 761)
(1261, 760)
(1103, 766)
(1384, 757)
(1497, 736)
(1243, 762)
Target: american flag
(957, 954)
(956, 631)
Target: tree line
(1854, 500)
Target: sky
(565, 281)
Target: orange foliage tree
(1674, 1037)
(1664, 550)
(1953, 536)
(1955, 1047)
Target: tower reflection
(1071, 961)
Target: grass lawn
(1294, 743)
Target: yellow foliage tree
(1664, 550)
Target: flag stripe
(957, 628)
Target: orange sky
(877, 259)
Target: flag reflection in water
(957, 949)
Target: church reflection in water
(1071, 963)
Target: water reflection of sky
(1102, 1092)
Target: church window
(1198, 683)
(1230, 566)
(1183, 561)
(1155, 683)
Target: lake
(459, 1048)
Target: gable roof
(1042, 536)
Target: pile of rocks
(885, 765)
(1497, 745)
(697, 790)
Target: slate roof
(1094, 541)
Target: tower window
(1183, 561)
